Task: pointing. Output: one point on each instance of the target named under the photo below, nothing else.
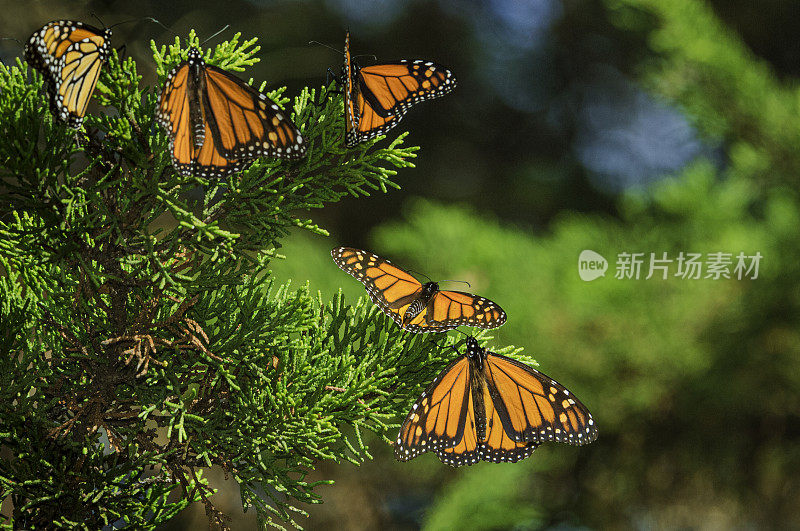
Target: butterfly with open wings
(415, 306)
(485, 406)
(217, 123)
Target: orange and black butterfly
(69, 56)
(217, 123)
(376, 97)
(415, 306)
(489, 407)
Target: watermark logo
(591, 265)
(684, 265)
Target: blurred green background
(617, 126)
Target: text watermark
(684, 265)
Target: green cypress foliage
(142, 338)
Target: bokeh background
(611, 125)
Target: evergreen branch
(136, 350)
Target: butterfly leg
(330, 78)
(122, 52)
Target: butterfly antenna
(93, 14)
(374, 57)
(446, 345)
(422, 274)
(462, 281)
(217, 33)
(312, 43)
(12, 39)
(151, 19)
(437, 343)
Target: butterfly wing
(442, 418)
(69, 55)
(531, 406)
(450, 309)
(191, 154)
(496, 444)
(389, 287)
(350, 115)
(245, 123)
(392, 88)
(468, 450)
(361, 121)
(365, 123)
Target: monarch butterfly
(376, 97)
(491, 407)
(414, 306)
(199, 101)
(69, 56)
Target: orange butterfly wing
(497, 445)
(450, 309)
(392, 88)
(70, 56)
(246, 123)
(388, 286)
(468, 449)
(442, 417)
(366, 123)
(534, 407)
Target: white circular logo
(591, 265)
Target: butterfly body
(196, 86)
(217, 123)
(415, 306)
(419, 302)
(485, 406)
(69, 55)
(377, 96)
